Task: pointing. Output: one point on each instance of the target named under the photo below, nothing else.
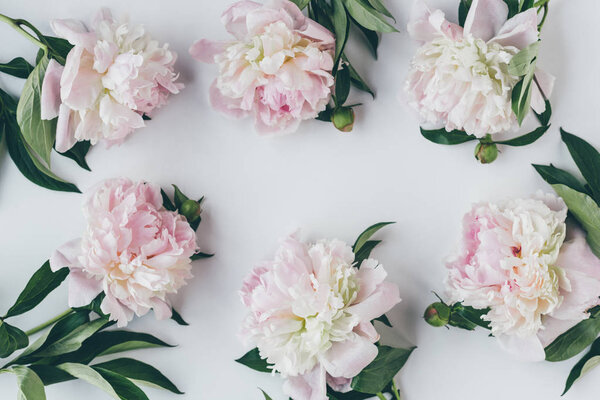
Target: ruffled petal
(75, 32)
(520, 31)
(205, 50)
(234, 18)
(66, 255)
(381, 301)
(546, 82)
(50, 98)
(348, 358)
(82, 288)
(523, 348)
(485, 18)
(425, 25)
(310, 386)
(65, 129)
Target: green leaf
(110, 342)
(78, 152)
(521, 96)
(11, 339)
(367, 16)
(301, 3)
(463, 10)
(384, 320)
(38, 133)
(89, 375)
(126, 390)
(365, 251)
(139, 371)
(526, 139)
(73, 340)
(544, 117)
(377, 375)
(29, 166)
(587, 362)
(267, 397)
(341, 27)
(522, 62)
(342, 85)
(586, 211)
(575, 340)
(180, 198)
(200, 256)
(167, 203)
(513, 7)
(39, 286)
(18, 67)
(587, 159)
(467, 317)
(177, 318)
(366, 235)
(554, 176)
(372, 38)
(378, 5)
(441, 136)
(50, 375)
(30, 385)
(253, 360)
(357, 81)
(58, 46)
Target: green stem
(46, 324)
(395, 389)
(381, 396)
(16, 25)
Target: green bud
(343, 118)
(190, 209)
(486, 152)
(437, 314)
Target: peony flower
(113, 76)
(513, 261)
(459, 77)
(133, 250)
(278, 68)
(310, 314)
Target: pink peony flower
(133, 250)
(278, 68)
(114, 74)
(459, 77)
(310, 314)
(513, 260)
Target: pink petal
(520, 31)
(50, 98)
(553, 328)
(82, 289)
(310, 386)
(485, 18)
(339, 384)
(65, 138)
(526, 349)
(225, 104)
(234, 18)
(66, 255)
(75, 32)
(381, 301)
(118, 312)
(318, 32)
(103, 14)
(546, 82)
(80, 85)
(367, 330)
(162, 310)
(425, 25)
(206, 50)
(348, 358)
(370, 275)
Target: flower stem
(16, 25)
(396, 391)
(381, 396)
(46, 324)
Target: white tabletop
(327, 183)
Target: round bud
(190, 209)
(486, 152)
(437, 314)
(343, 118)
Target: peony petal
(485, 18)
(234, 18)
(65, 137)
(381, 301)
(310, 386)
(520, 31)
(82, 288)
(117, 311)
(66, 255)
(523, 348)
(348, 358)
(162, 309)
(425, 25)
(546, 82)
(226, 105)
(50, 98)
(318, 32)
(205, 50)
(75, 32)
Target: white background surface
(330, 184)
